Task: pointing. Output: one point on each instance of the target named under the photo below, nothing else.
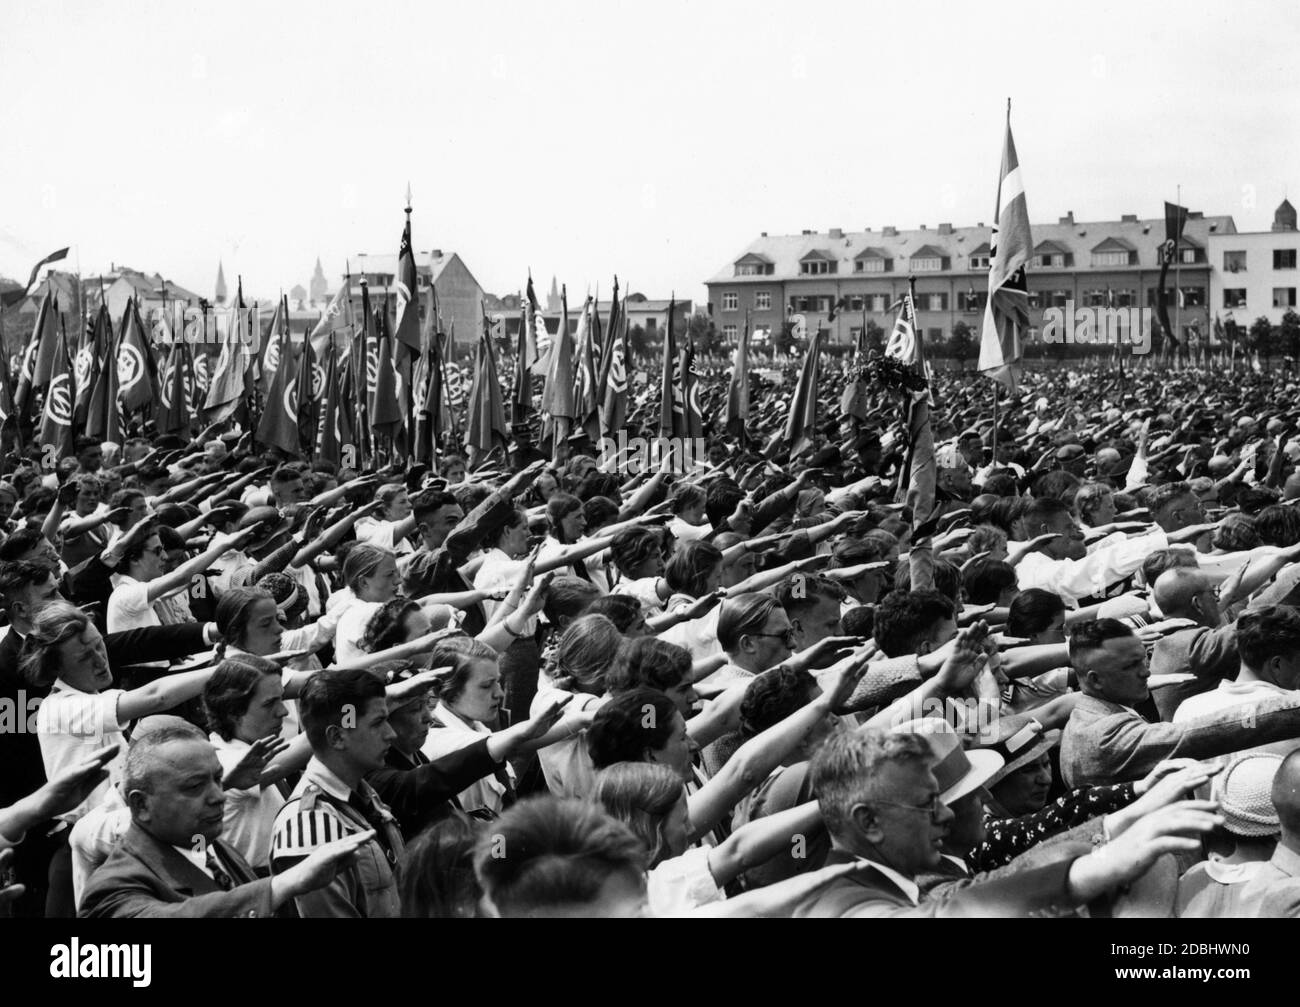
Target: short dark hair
(628, 726)
(620, 609)
(1266, 632)
(1278, 525)
(548, 852)
(19, 544)
(720, 500)
(329, 695)
(1032, 611)
(428, 503)
(986, 579)
(285, 474)
(800, 592)
(860, 620)
(741, 615)
(19, 575)
(633, 546)
(689, 568)
(946, 576)
(650, 663)
(1090, 636)
(773, 696)
(904, 618)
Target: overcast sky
(581, 139)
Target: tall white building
(1254, 273)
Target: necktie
(375, 820)
(224, 881)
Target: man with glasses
(884, 810)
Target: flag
(736, 411)
(521, 392)
(801, 422)
(334, 320)
(58, 256)
(487, 416)
(408, 293)
(103, 418)
(269, 357)
(311, 390)
(227, 379)
(137, 372)
(173, 415)
(385, 410)
(615, 381)
(538, 340)
(38, 357)
(670, 406)
(89, 360)
(557, 394)
(278, 426)
(1175, 220)
(60, 398)
(689, 380)
(1006, 315)
(903, 345)
(329, 441)
(586, 403)
(364, 354)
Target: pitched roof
(1049, 247)
(1113, 244)
(818, 253)
(872, 252)
(786, 251)
(929, 252)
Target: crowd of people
(234, 683)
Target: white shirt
(566, 765)
(646, 590)
(71, 726)
(685, 532)
(128, 605)
(454, 734)
(499, 573)
(93, 837)
(1073, 579)
(907, 885)
(679, 885)
(233, 569)
(351, 628)
(699, 636)
(379, 532)
(249, 816)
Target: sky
(583, 139)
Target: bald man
(1207, 650)
(1274, 892)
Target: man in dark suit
(24, 587)
(883, 807)
(171, 862)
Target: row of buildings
(1218, 273)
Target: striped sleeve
(300, 833)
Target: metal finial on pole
(408, 199)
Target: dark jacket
(419, 792)
(143, 877)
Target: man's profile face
(367, 743)
(817, 623)
(185, 801)
(440, 524)
(1068, 543)
(1181, 512)
(1120, 666)
(291, 491)
(771, 644)
(905, 833)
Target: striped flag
(90, 357)
(1006, 315)
(60, 397)
(613, 412)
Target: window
(878, 302)
(651, 324)
(972, 300)
(1059, 297)
(1284, 297)
(930, 264)
(822, 305)
(1115, 258)
(1190, 255)
(1234, 298)
(730, 301)
(979, 262)
(729, 333)
(1153, 296)
(856, 303)
(1036, 299)
(763, 300)
(1193, 297)
(934, 335)
(872, 265)
(1094, 298)
(1125, 299)
(754, 269)
(1234, 262)
(1284, 258)
(817, 267)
